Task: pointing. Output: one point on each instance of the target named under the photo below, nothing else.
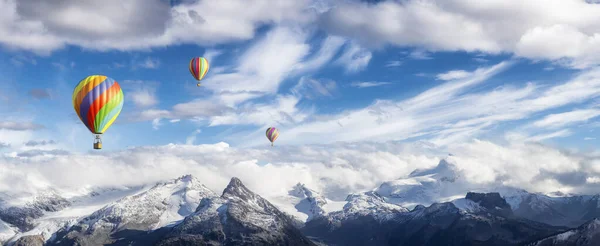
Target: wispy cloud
(589, 138)
(566, 118)
(368, 84)
(150, 63)
(393, 63)
(312, 88)
(192, 138)
(33, 143)
(355, 58)
(420, 55)
(39, 93)
(454, 74)
(19, 126)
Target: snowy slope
(165, 204)
(304, 203)
(6, 231)
(82, 204)
(587, 234)
(424, 187)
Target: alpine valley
(429, 207)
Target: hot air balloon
(272, 134)
(199, 68)
(98, 100)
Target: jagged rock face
(587, 234)
(438, 224)
(238, 217)
(31, 240)
(132, 216)
(492, 202)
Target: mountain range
(425, 208)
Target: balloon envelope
(199, 67)
(98, 101)
(272, 134)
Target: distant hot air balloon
(98, 100)
(272, 134)
(199, 68)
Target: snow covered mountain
(443, 183)
(238, 217)
(491, 223)
(439, 184)
(163, 205)
(587, 234)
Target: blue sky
(312, 72)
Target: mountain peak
(236, 188)
(235, 182)
(491, 201)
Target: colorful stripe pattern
(98, 100)
(272, 134)
(199, 67)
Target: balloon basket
(97, 142)
(198, 84)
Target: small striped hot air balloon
(98, 101)
(272, 134)
(199, 68)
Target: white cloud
(313, 88)
(557, 134)
(454, 74)
(138, 24)
(393, 64)
(588, 138)
(150, 63)
(560, 30)
(451, 112)
(19, 126)
(335, 170)
(368, 84)
(329, 48)
(144, 97)
(211, 54)
(420, 55)
(156, 123)
(264, 65)
(563, 119)
(355, 58)
(192, 138)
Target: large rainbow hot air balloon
(272, 134)
(199, 68)
(98, 101)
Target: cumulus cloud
(138, 24)
(561, 30)
(335, 170)
(144, 97)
